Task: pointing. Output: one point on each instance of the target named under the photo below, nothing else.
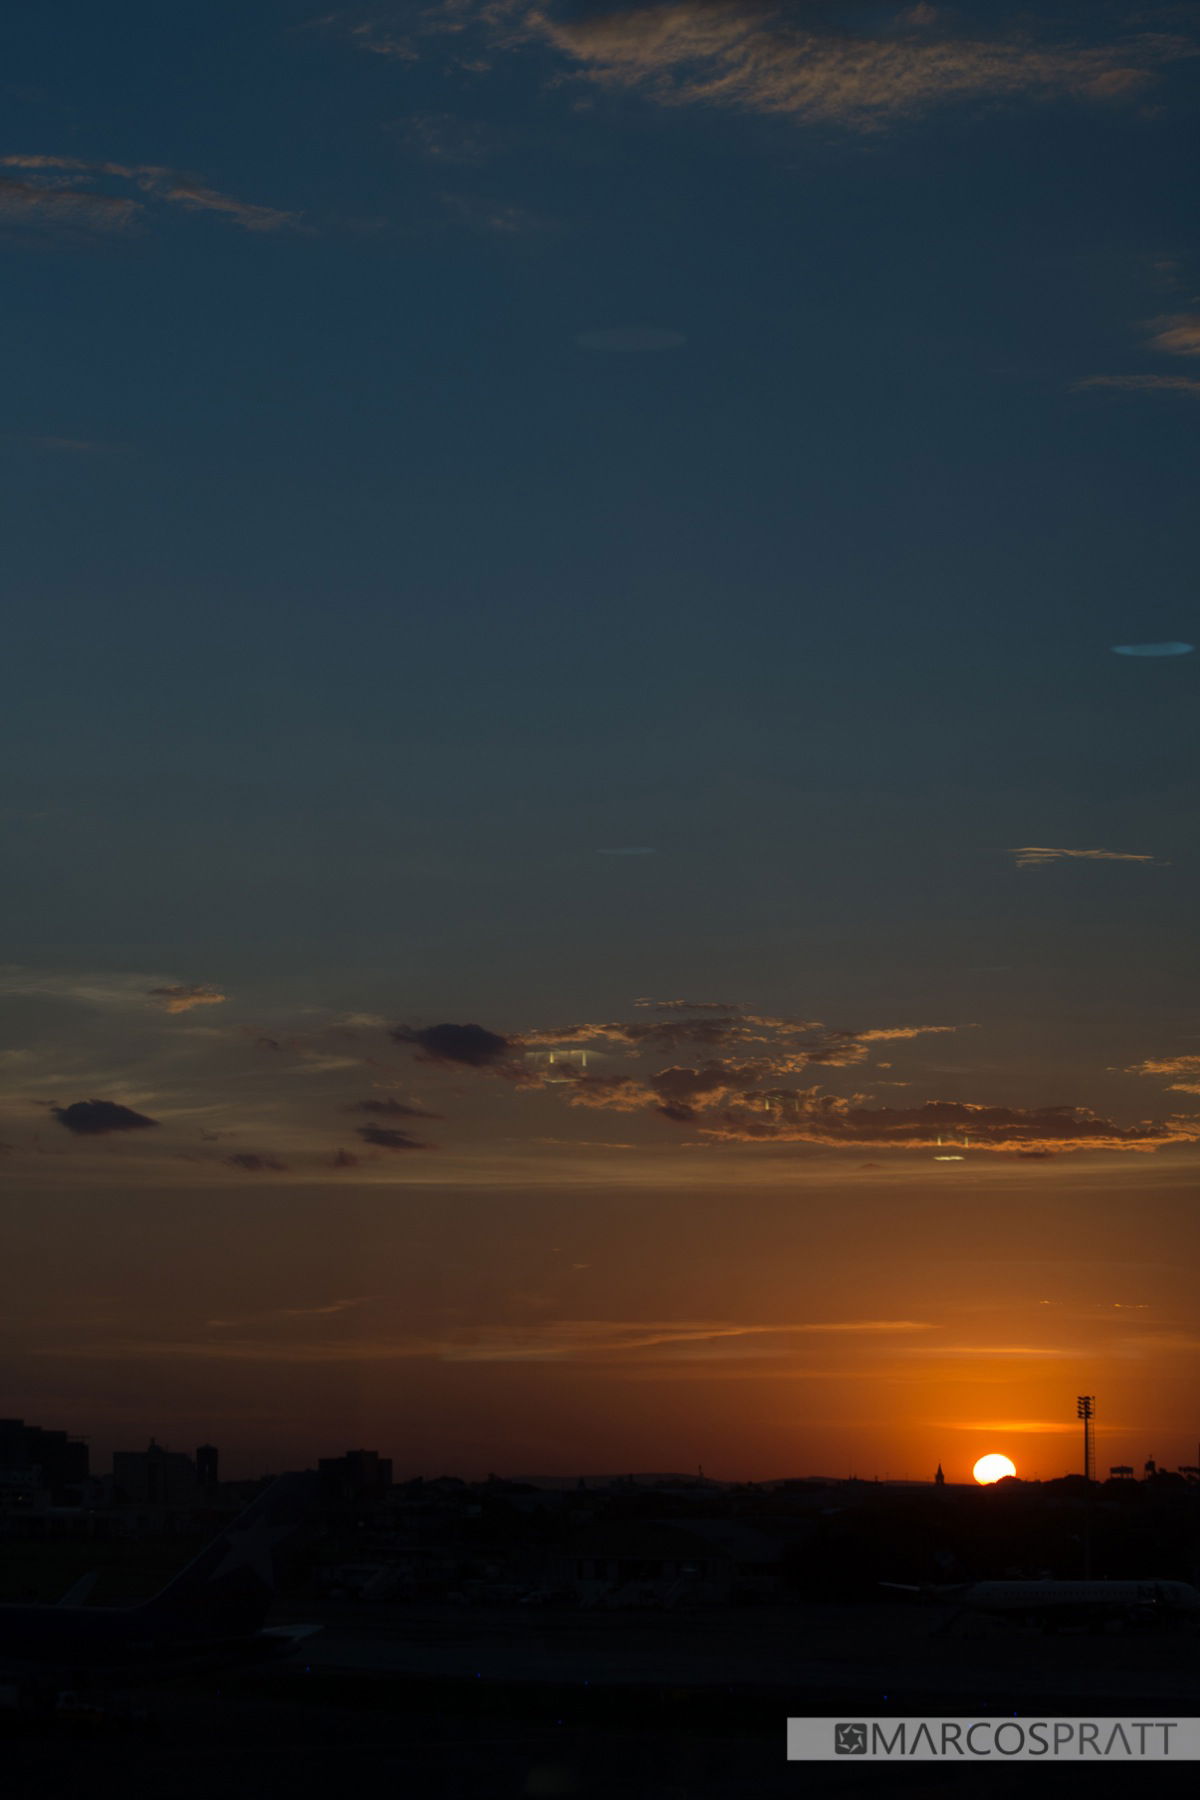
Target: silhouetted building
(939, 1479)
(49, 1460)
(206, 1465)
(359, 1478)
(155, 1476)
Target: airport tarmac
(454, 1703)
(807, 1649)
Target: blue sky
(444, 447)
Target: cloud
(585, 1339)
(468, 1046)
(120, 992)
(443, 138)
(96, 1118)
(783, 1046)
(245, 1159)
(499, 217)
(30, 203)
(738, 1099)
(44, 196)
(329, 1310)
(633, 340)
(1169, 648)
(1001, 1428)
(373, 36)
(1187, 1066)
(388, 1107)
(1145, 384)
(384, 1137)
(556, 1340)
(806, 65)
(718, 1006)
(181, 998)
(1177, 333)
(812, 1117)
(1031, 856)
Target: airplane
(210, 1614)
(1050, 1603)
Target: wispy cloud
(73, 209)
(181, 998)
(444, 138)
(813, 1117)
(1186, 1066)
(1144, 384)
(1031, 856)
(737, 1098)
(1176, 333)
(43, 195)
(817, 67)
(118, 992)
(1000, 1428)
(562, 1340)
(331, 1309)
(1010, 1352)
(821, 64)
(372, 35)
(500, 218)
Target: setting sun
(993, 1468)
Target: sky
(599, 809)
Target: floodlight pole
(1085, 1409)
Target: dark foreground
(656, 1706)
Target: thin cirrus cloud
(280, 1313)
(119, 992)
(1187, 1067)
(1176, 333)
(42, 195)
(181, 997)
(375, 37)
(820, 64)
(562, 1340)
(1000, 1428)
(1032, 856)
(808, 66)
(1171, 647)
(1144, 384)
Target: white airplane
(210, 1614)
(1050, 1603)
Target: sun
(993, 1468)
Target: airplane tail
(227, 1590)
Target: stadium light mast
(1085, 1409)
